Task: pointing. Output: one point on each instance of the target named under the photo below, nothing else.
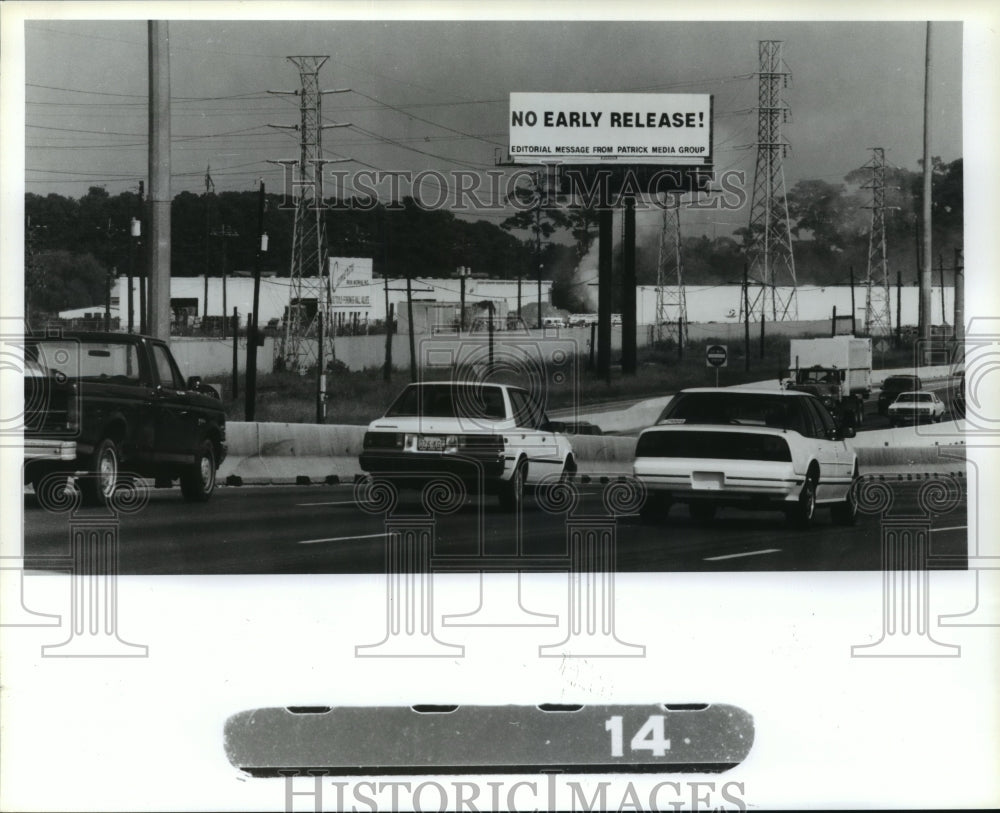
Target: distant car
(893, 386)
(771, 449)
(496, 435)
(553, 321)
(916, 406)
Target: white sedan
(752, 448)
(916, 406)
(493, 436)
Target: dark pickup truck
(102, 406)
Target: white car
(752, 448)
(494, 436)
(916, 406)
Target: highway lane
(320, 529)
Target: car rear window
(449, 401)
(115, 362)
(740, 409)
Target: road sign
(716, 355)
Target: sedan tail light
(383, 440)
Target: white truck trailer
(837, 370)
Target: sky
(434, 94)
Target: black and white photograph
(448, 407)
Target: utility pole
(770, 240)
(135, 232)
(854, 323)
(159, 178)
(671, 298)
(253, 318)
(944, 318)
(387, 367)
(605, 226)
(143, 265)
(225, 233)
(309, 247)
(209, 185)
(746, 318)
(538, 243)
(320, 372)
(899, 306)
(463, 273)
(927, 259)
(236, 353)
(107, 298)
(959, 318)
(409, 318)
(628, 289)
(491, 308)
(878, 313)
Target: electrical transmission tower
(671, 301)
(878, 303)
(305, 324)
(769, 252)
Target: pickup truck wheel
(512, 491)
(101, 479)
(198, 480)
(801, 515)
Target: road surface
(321, 529)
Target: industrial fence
(211, 356)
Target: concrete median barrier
(283, 453)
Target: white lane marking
(341, 538)
(952, 528)
(738, 555)
(338, 502)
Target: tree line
(73, 244)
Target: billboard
(632, 128)
(350, 283)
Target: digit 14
(651, 736)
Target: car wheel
(703, 512)
(569, 469)
(101, 480)
(512, 491)
(846, 512)
(802, 514)
(198, 480)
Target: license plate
(707, 480)
(430, 443)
